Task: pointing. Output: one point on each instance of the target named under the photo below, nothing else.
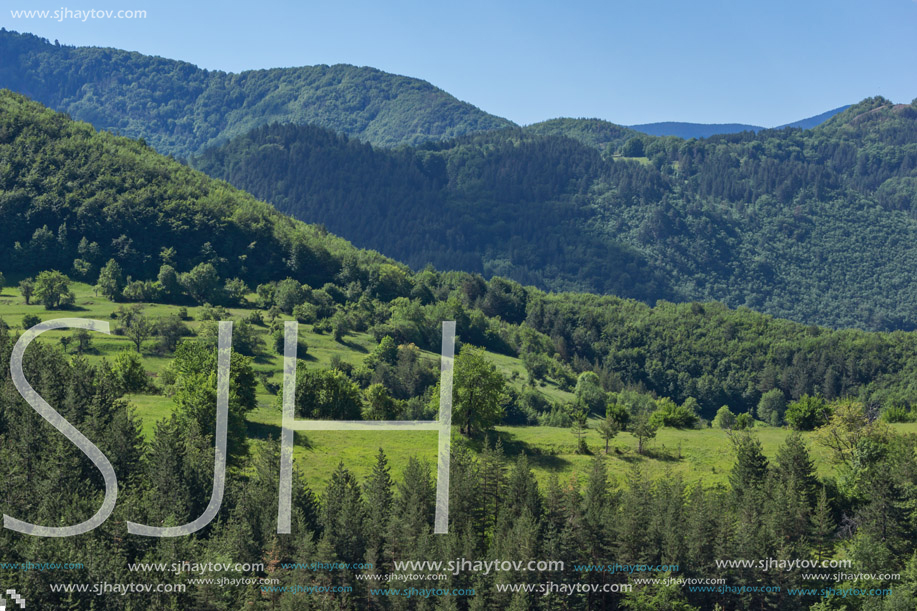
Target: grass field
(696, 455)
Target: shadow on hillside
(353, 346)
(661, 454)
(267, 359)
(262, 431)
(514, 447)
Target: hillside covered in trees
(181, 109)
(814, 225)
(100, 207)
(176, 251)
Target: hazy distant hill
(693, 130)
(181, 109)
(705, 130)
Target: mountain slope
(813, 225)
(68, 192)
(810, 122)
(181, 109)
(504, 203)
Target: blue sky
(764, 63)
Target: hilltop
(181, 109)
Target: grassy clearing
(695, 455)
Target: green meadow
(695, 455)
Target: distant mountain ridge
(706, 130)
(181, 109)
(693, 130)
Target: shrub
(724, 418)
(558, 417)
(898, 413)
(744, 421)
(807, 413)
(677, 416)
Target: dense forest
(181, 109)
(772, 509)
(88, 203)
(815, 225)
(145, 229)
(812, 225)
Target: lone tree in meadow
(615, 419)
(27, 288)
(644, 428)
(136, 326)
(52, 289)
(478, 392)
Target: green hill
(815, 225)
(164, 251)
(593, 132)
(181, 109)
(81, 201)
(818, 225)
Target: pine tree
(823, 526)
(342, 516)
(793, 463)
(378, 490)
(750, 469)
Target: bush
(277, 342)
(29, 321)
(558, 417)
(898, 413)
(218, 313)
(744, 421)
(676, 416)
(724, 418)
(142, 291)
(807, 413)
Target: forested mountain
(80, 201)
(181, 109)
(68, 192)
(814, 225)
(151, 233)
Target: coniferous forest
(680, 364)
